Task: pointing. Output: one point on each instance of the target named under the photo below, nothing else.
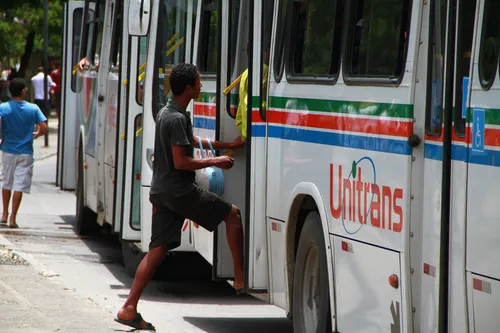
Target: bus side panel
(68, 133)
(366, 301)
(110, 134)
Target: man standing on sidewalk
(18, 122)
(38, 84)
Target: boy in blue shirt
(18, 122)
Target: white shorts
(17, 172)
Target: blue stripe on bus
(342, 140)
(462, 153)
(205, 123)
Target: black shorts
(200, 206)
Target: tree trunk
(28, 49)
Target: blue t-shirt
(18, 123)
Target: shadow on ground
(242, 325)
(183, 277)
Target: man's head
(41, 69)
(185, 80)
(17, 88)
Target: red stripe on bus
(205, 110)
(342, 123)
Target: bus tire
(86, 219)
(311, 301)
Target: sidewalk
(39, 303)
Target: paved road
(91, 269)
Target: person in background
(55, 74)
(38, 85)
(18, 121)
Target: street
(55, 281)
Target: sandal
(136, 323)
(13, 226)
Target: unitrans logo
(358, 199)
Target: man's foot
(13, 224)
(130, 317)
(4, 219)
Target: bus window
(466, 15)
(233, 72)
(267, 26)
(434, 112)
(77, 28)
(94, 27)
(488, 54)
(313, 39)
(170, 48)
(209, 34)
(116, 39)
(378, 36)
(141, 68)
(280, 40)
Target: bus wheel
(311, 307)
(86, 219)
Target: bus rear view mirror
(138, 17)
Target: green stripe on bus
(344, 107)
(492, 116)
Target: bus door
(68, 117)
(112, 112)
(480, 233)
(170, 42)
(257, 256)
(450, 60)
(203, 114)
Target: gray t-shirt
(173, 127)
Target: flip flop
(136, 323)
(3, 221)
(14, 226)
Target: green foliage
(20, 17)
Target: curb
(44, 157)
(37, 265)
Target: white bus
(368, 184)
(105, 153)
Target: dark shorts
(200, 206)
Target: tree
(21, 32)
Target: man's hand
(224, 162)
(238, 143)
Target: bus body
(108, 114)
(369, 171)
(367, 185)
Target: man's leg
(234, 235)
(6, 194)
(16, 202)
(144, 273)
(8, 168)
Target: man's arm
(42, 129)
(184, 162)
(237, 143)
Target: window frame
(116, 35)
(297, 78)
(284, 23)
(430, 57)
(346, 58)
(228, 61)
(76, 50)
(203, 44)
(484, 22)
